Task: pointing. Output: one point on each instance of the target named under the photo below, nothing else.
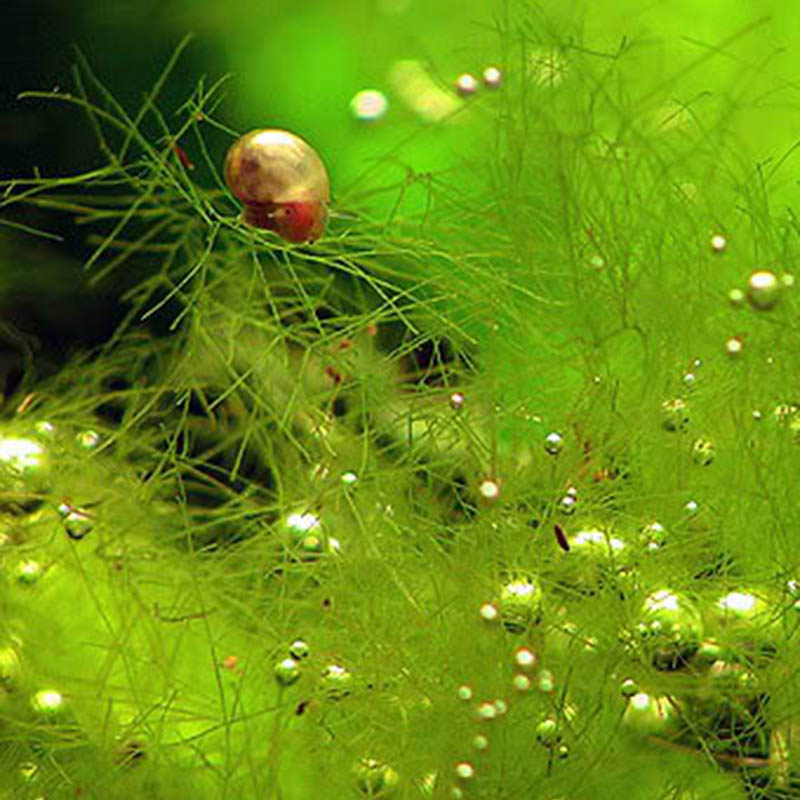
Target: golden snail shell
(281, 182)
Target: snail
(281, 182)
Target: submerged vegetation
(489, 493)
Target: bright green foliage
(376, 517)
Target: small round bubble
(369, 105)
(466, 84)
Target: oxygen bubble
(336, 682)
(567, 504)
(654, 536)
(480, 742)
(501, 707)
(88, 440)
(287, 671)
(733, 346)
(718, 243)
(47, 702)
(375, 779)
(707, 653)
(547, 681)
(703, 452)
(763, 290)
(464, 692)
(670, 629)
(674, 415)
(689, 379)
(486, 711)
(522, 683)
(736, 298)
(21, 457)
(77, 523)
(787, 280)
(464, 771)
(650, 715)
(691, 507)
(628, 688)
(456, 793)
(466, 84)
(554, 443)
(520, 605)
(45, 429)
(489, 612)
(489, 489)
(369, 105)
(29, 572)
(547, 733)
(524, 658)
(299, 649)
(349, 478)
(457, 401)
(298, 524)
(492, 77)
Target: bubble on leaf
(734, 346)
(299, 649)
(736, 298)
(703, 451)
(457, 401)
(298, 524)
(650, 715)
(524, 658)
(691, 506)
(287, 672)
(521, 682)
(763, 290)
(88, 439)
(567, 504)
(718, 243)
(689, 379)
(336, 682)
(628, 687)
(489, 489)
(47, 702)
(500, 706)
(28, 572)
(369, 105)
(674, 415)
(670, 629)
(653, 536)
(492, 77)
(547, 733)
(464, 771)
(520, 604)
(77, 523)
(489, 612)
(486, 711)
(546, 682)
(349, 478)
(466, 84)
(464, 692)
(554, 443)
(480, 742)
(787, 280)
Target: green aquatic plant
(470, 498)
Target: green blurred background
(298, 65)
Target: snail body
(281, 182)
